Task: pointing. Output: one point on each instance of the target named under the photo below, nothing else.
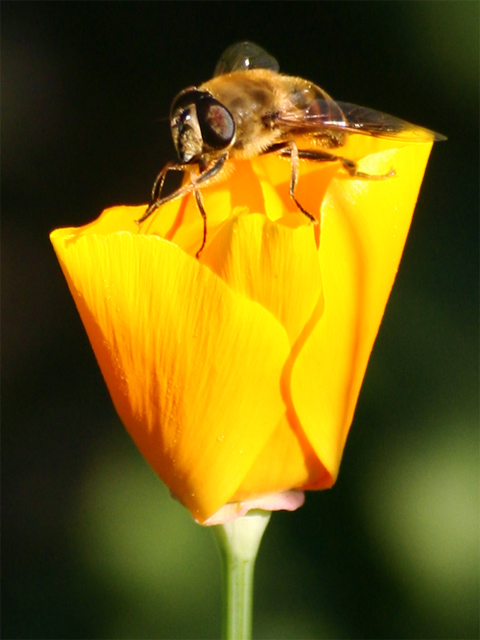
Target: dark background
(93, 547)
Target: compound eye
(216, 123)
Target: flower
(237, 374)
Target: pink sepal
(287, 500)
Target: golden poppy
(237, 374)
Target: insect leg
(211, 172)
(157, 200)
(291, 150)
(205, 176)
(294, 154)
(157, 187)
(201, 208)
(349, 165)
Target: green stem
(238, 542)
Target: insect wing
(343, 116)
(243, 56)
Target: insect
(247, 109)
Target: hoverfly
(247, 109)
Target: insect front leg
(156, 198)
(158, 184)
(201, 179)
(201, 208)
(206, 175)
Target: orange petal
(192, 367)
(365, 225)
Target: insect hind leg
(349, 165)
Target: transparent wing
(342, 116)
(243, 56)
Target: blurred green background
(93, 547)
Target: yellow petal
(259, 186)
(274, 264)
(365, 224)
(192, 367)
(287, 460)
(275, 174)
